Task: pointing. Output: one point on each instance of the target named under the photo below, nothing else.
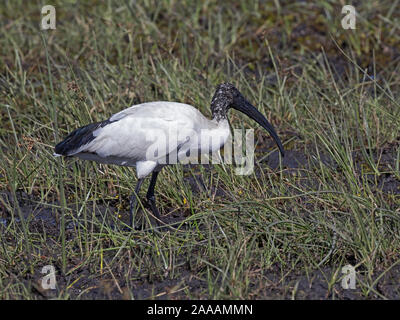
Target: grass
(284, 231)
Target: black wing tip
(71, 142)
(78, 138)
(61, 148)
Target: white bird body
(167, 128)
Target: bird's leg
(133, 201)
(150, 195)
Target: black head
(223, 99)
(227, 96)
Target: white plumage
(153, 125)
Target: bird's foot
(137, 219)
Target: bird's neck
(219, 115)
(216, 135)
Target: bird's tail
(78, 138)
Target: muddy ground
(298, 285)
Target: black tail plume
(78, 138)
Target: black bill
(249, 110)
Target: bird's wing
(148, 131)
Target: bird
(151, 135)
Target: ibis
(152, 135)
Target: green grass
(282, 232)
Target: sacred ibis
(153, 134)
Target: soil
(300, 286)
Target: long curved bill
(249, 110)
